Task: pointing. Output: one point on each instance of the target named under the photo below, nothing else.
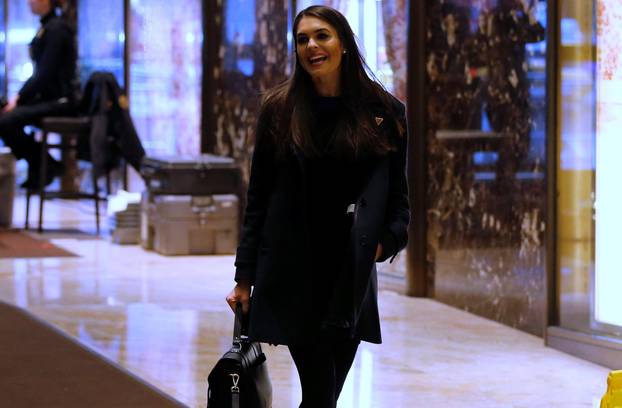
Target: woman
(50, 91)
(327, 197)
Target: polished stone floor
(165, 319)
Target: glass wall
(101, 38)
(589, 200)
(165, 74)
(486, 190)
(22, 26)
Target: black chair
(70, 130)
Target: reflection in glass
(101, 38)
(239, 33)
(22, 26)
(486, 191)
(165, 75)
(151, 332)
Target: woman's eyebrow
(316, 31)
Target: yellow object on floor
(613, 396)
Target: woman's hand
(11, 105)
(241, 293)
(378, 251)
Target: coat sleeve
(394, 234)
(259, 189)
(57, 38)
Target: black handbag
(240, 378)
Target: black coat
(274, 254)
(113, 134)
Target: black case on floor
(206, 174)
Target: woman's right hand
(10, 105)
(241, 293)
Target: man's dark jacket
(53, 52)
(274, 254)
(113, 134)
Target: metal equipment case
(7, 186)
(202, 175)
(193, 225)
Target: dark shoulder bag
(240, 378)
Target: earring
(345, 51)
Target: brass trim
(603, 350)
(553, 90)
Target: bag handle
(240, 325)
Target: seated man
(51, 91)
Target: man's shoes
(54, 169)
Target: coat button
(363, 240)
(363, 202)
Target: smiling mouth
(317, 60)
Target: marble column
(255, 60)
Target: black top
(53, 52)
(335, 177)
(335, 180)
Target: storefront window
(589, 199)
(608, 279)
(165, 74)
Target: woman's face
(40, 7)
(318, 47)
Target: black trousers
(12, 127)
(323, 367)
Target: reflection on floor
(165, 319)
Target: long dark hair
(289, 104)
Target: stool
(70, 129)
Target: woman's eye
(322, 36)
(302, 40)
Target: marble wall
(254, 57)
(485, 63)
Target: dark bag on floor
(240, 378)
